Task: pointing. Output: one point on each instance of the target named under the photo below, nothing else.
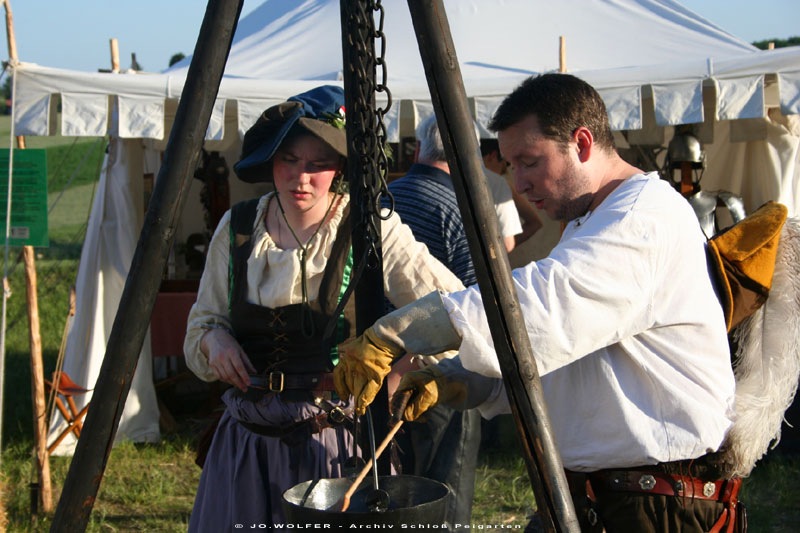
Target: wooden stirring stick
(368, 466)
(398, 406)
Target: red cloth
(168, 322)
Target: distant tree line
(5, 104)
(175, 58)
(779, 43)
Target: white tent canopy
(655, 63)
(286, 46)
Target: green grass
(503, 493)
(144, 488)
(54, 278)
(771, 494)
(74, 164)
(35, 141)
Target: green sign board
(28, 197)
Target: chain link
(381, 87)
(369, 131)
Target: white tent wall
(115, 223)
(758, 160)
(117, 215)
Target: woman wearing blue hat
(264, 320)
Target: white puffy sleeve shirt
(626, 330)
(274, 277)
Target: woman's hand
(226, 358)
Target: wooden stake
(37, 383)
(771, 45)
(12, 41)
(12, 50)
(114, 56)
(37, 367)
(562, 54)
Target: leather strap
(277, 381)
(652, 482)
(296, 432)
(311, 425)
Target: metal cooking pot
(412, 500)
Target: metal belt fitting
(271, 384)
(336, 415)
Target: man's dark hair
(561, 103)
(488, 146)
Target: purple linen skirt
(245, 474)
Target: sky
(76, 34)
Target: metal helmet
(685, 148)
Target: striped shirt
(426, 202)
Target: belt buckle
(337, 415)
(271, 386)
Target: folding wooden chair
(67, 389)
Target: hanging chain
(369, 135)
(381, 87)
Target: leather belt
(296, 432)
(277, 381)
(308, 426)
(651, 482)
(585, 486)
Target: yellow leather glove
(429, 387)
(363, 363)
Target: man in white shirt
(623, 319)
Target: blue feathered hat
(319, 111)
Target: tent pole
(520, 375)
(114, 44)
(44, 486)
(155, 241)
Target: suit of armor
(705, 205)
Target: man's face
(547, 172)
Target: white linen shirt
(274, 276)
(626, 330)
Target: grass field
(151, 487)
